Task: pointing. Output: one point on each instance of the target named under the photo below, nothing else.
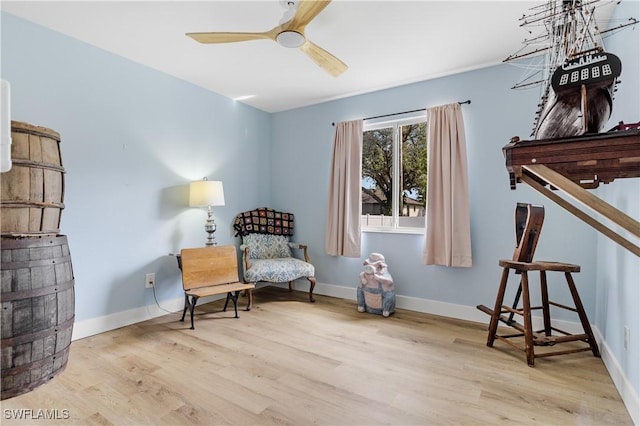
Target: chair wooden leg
(312, 284)
(544, 293)
(526, 314)
(493, 325)
(249, 294)
(581, 313)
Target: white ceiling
(384, 43)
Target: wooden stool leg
(514, 306)
(583, 316)
(493, 325)
(526, 314)
(546, 315)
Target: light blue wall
(618, 279)
(132, 140)
(303, 145)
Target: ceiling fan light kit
(289, 34)
(290, 39)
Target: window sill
(410, 231)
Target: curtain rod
(468, 101)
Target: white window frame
(395, 124)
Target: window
(394, 175)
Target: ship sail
(576, 75)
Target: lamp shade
(206, 193)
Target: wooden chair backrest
(529, 219)
(208, 266)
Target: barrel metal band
(61, 240)
(35, 364)
(33, 130)
(39, 165)
(37, 292)
(34, 263)
(25, 338)
(19, 235)
(29, 203)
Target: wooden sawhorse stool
(528, 225)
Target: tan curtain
(343, 215)
(448, 231)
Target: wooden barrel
(33, 190)
(38, 305)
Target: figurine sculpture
(376, 293)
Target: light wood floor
(292, 362)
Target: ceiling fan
(290, 33)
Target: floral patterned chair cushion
(267, 246)
(278, 270)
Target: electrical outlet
(150, 280)
(626, 337)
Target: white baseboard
(434, 307)
(98, 325)
(404, 302)
(627, 393)
(90, 327)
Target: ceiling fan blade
(324, 59)
(223, 37)
(307, 10)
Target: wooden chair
(208, 271)
(529, 219)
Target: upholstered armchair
(267, 252)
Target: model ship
(577, 76)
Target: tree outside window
(394, 174)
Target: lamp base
(210, 228)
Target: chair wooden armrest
(302, 247)
(245, 256)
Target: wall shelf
(574, 165)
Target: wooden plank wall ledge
(573, 165)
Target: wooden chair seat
(219, 289)
(539, 266)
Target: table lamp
(207, 193)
